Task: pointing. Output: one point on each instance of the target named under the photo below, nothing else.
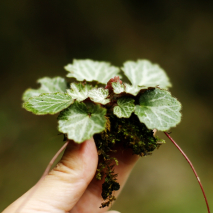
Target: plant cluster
(98, 104)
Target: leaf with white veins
(99, 95)
(91, 70)
(82, 120)
(117, 87)
(79, 91)
(48, 85)
(144, 73)
(158, 110)
(125, 107)
(133, 89)
(48, 103)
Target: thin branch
(42, 177)
(190, 163)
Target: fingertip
(81, 158)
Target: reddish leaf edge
(193, 169)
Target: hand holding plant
(71, 186)
(120, 116)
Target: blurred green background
(39, 37)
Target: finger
(64, 185)
(91, 199)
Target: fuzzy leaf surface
(158, 109)
(125, 107)
(82, 120)
(133, 89)
(99, 95)
(144, 73)
(48, 103)
(79, 91)
(91, 70)
(48, 85)
(117, 87)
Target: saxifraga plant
(98, 104)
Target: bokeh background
(39, 37)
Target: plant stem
(193, 169)
(42, 177)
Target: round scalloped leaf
(91, 70)
(99, 95)
(48, 85)
(144, 73)
(117, 87)
(79, 91)
(125, 107)
(82, 120)
(50, 103)
(158, 110)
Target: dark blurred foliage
(39, 37)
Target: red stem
(190, 163)
(42, 177)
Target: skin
(71, 187)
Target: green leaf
(99, 95)
(144, 73)
(91, 70)
(48, 85)
(158, 109)
(82, 120)
(133, 89)
(117, 87)
(125, 107)
(50, 103)
(79, 91)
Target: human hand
(71, 186)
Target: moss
(126, 132)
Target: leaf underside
(158, 109)
(50, 103)
(125, 107)
(48, 85)
(90, 70)
(144, 73)
(82, 120)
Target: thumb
(64, 185)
